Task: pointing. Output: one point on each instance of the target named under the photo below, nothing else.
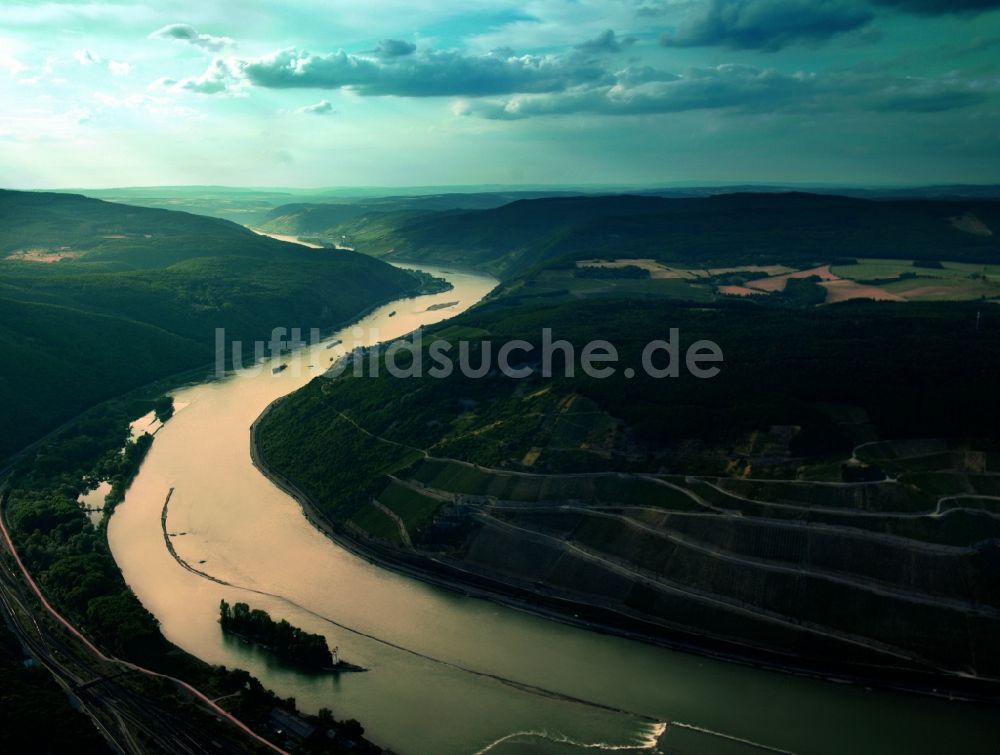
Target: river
(449, 674)
(290, 239)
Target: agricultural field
(373, 522)
(562, 283)
(415, 508)
(661, 270)
(892, 280)
(871, 279)
(906, 280)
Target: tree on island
(283, 639)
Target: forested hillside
(97, 298)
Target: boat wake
(649, 742)
(731, 738)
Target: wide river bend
(449, 674)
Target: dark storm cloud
(587, 78)
(394, 48)
(431, 73)
(187, 33)
(940, 7)
(725, 86)
(767, 24)
(652, 8)
(738, 88)
(635, 75)
(930, 102)
(606, 42)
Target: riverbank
(613, 621)
(209, 370)
(287, 239)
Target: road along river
(450, 674)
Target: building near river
(292, 726)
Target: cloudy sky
(435, 92)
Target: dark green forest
(29, 696)
(144, 297)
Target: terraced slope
(656, 549)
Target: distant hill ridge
(134, 237)
(723, 229)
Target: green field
(947, 288)
(869, 269)
(954, 281)
(377, 523)
(561, 283)
(413, 507)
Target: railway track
(103, 687)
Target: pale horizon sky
(308, 93)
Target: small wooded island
(281, 638)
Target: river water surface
(448, 674)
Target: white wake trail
(650, 740)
